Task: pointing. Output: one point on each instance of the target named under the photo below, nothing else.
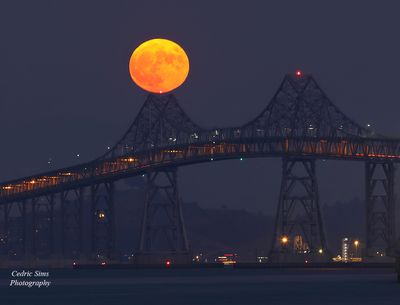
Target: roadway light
(356, 243)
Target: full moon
(159, 65)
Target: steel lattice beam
(299, 120)
(380, 207)
(163, 234)
(298, 230)
(299, 123)
(102, 221)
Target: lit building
(299, 245)
(198, 258)
(345, 249)
(262, 259)
(351, 251)
(227, 259)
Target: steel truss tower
(380, 207)
(103, 221)
(43, 227)
(49, 227)
(71, 216)
(163, 236)
(299, 233)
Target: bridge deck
(109, 169)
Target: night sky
(65, 87)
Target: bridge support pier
(299, 235)
(380, 207)
(50, 211)
(34, 232)
(79, 193)
(22, 210)
(63, 197)
(71, 222)
(5, 235)
(102, 221)
(163, 236)
(41, 230)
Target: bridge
(299, 125)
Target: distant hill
(213, 231)
(210, 231)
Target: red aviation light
(299, 73)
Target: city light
(173, 151)
(102, 215)
(130, 159)
(227, 259)
(66, 174)
(320, 251)
(284, 239)
(350, 252)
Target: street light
(284, 240)
(356, 243)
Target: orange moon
(159, 65)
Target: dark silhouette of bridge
(299, 125)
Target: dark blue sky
(65, 87)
